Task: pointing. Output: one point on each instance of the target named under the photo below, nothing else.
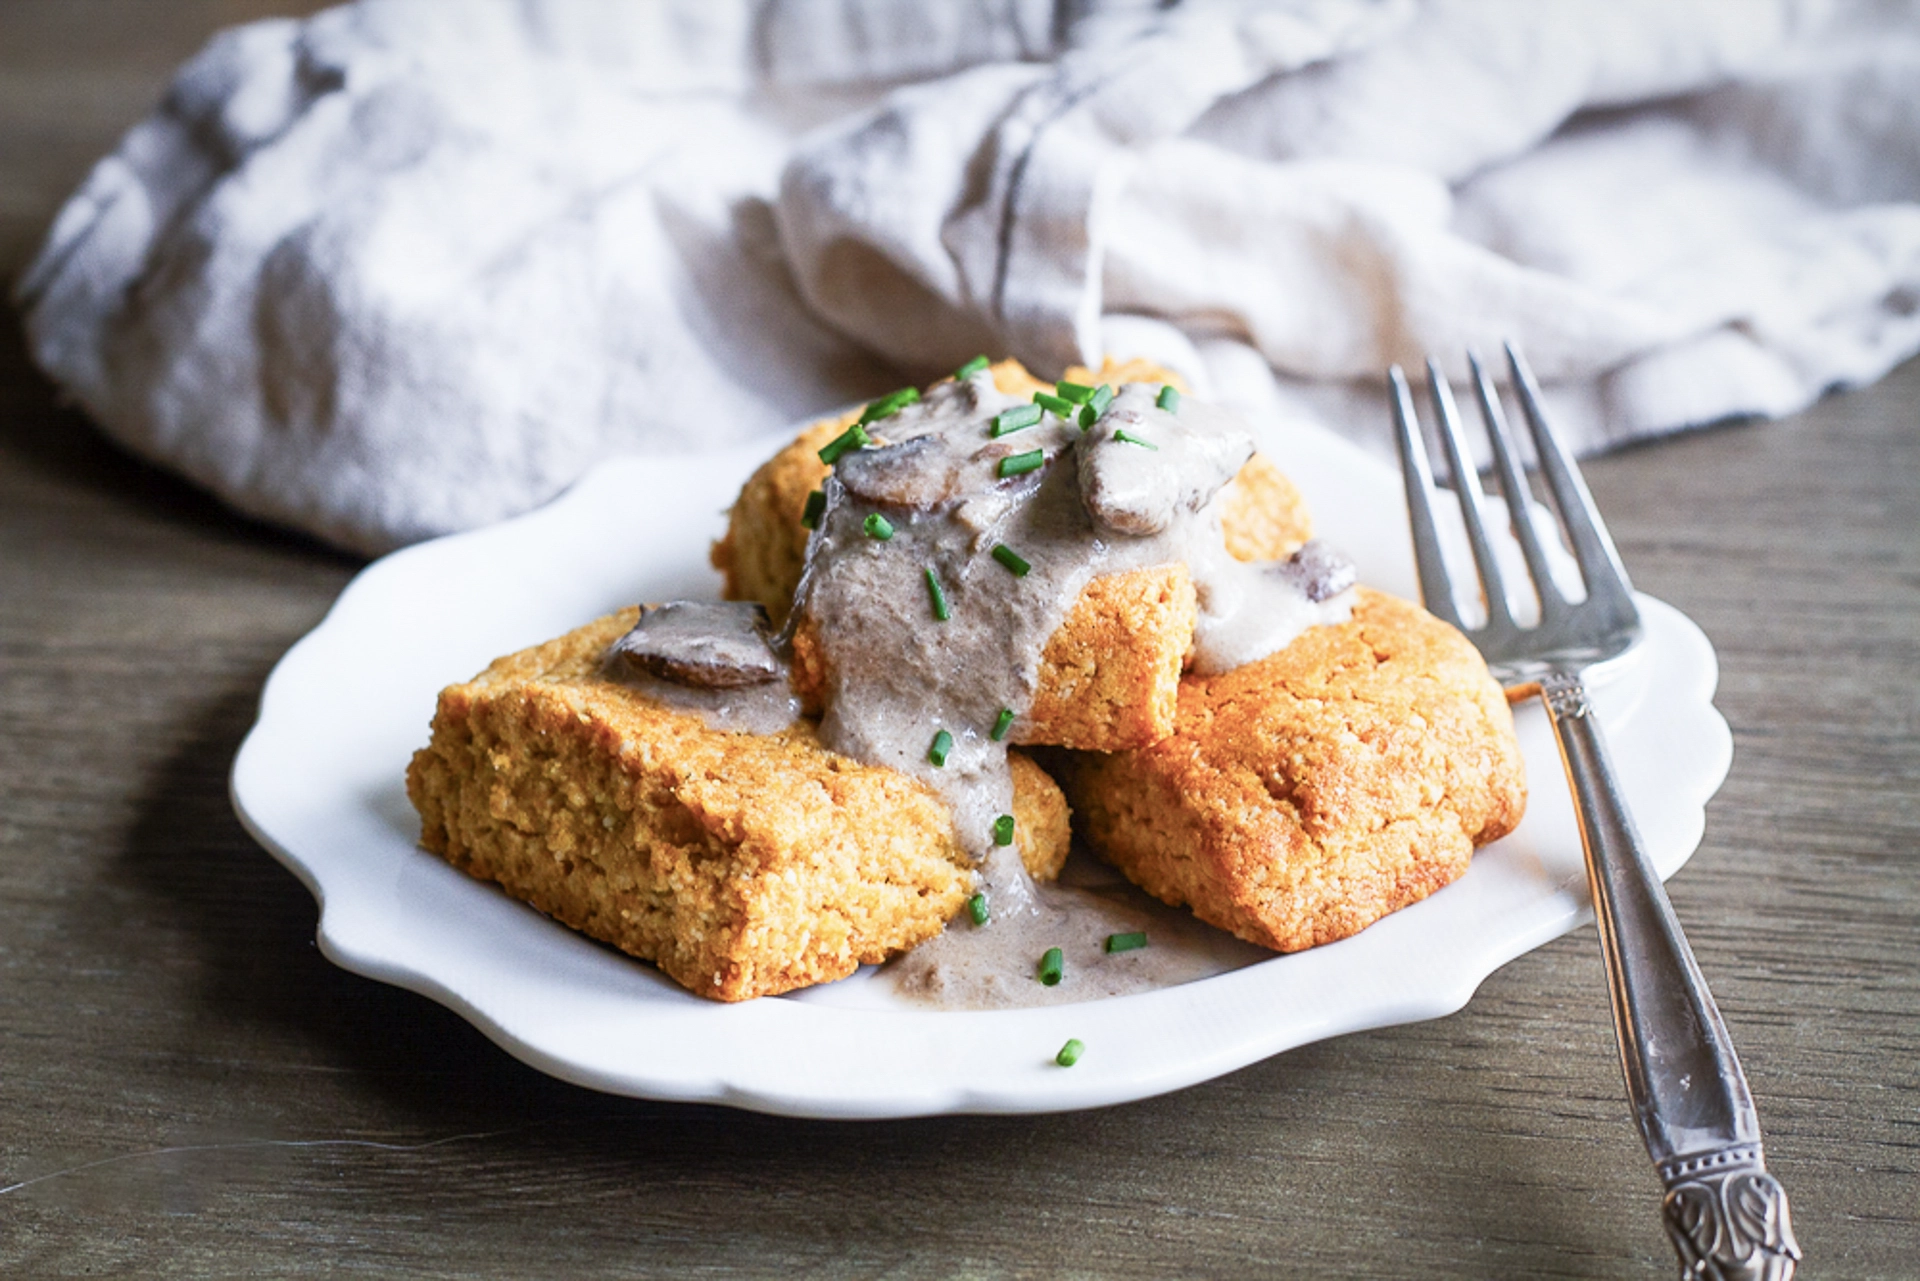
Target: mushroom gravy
(954, 536)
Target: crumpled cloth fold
(407, 267)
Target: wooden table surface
(187, 1087)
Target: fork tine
(1466, 486)
(1593, 548)
(1436, 589)
(1513, 485)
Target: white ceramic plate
(319, 783)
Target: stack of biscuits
(1292, 801)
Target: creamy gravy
(1133, 490)
(994, 966)
(946, 511)
(755, 709)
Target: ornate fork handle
(1727, 1216)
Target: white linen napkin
(408, 267)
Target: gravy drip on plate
(995, 965)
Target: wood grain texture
(190, 1089)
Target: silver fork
(1726, 1215)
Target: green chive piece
(1070, 1053)
(1002, 725)
(1075, 392)
(1003, 830)
(938, 597)
(854, 437)
(1127, 438)
(1169, 399)
(942, 744)
(1021, 464)
(1095, 406)
(877, 526)
(969, 369)
(977, 909)
(816, 508)
(1060, 408)
(1015, 419)
(1011, 559)
(1050, 966)
(1127, 942)
(889, 405)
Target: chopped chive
(1127, 942)
(1050, 966)
(854, 437)
(1060, 408)
(977, 909)
(1001, 725)
(942, 744)
(1097, 405)
(938, 597)
(889, 405)
(1011, 559)
(969, 369)
(816, 508)
(1015, 419)
(1021, 464)
(1003, 830)
(1075, 392)
(1126, 438)
(877, 526)
(1169, 399)
(1102, 397)
(1070, 1053)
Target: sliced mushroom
(1318, 570)
(920, 473)
(705, 645)
(1142, 467)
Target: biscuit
(1042, 823)
(1109, 675)
(1261, 513)
(1304, 796)
(743, 865)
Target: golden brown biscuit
(1042, 823)
(1109, 675)
(1262, 514)
(761, 554)
(742, 864)
(1304, 796)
